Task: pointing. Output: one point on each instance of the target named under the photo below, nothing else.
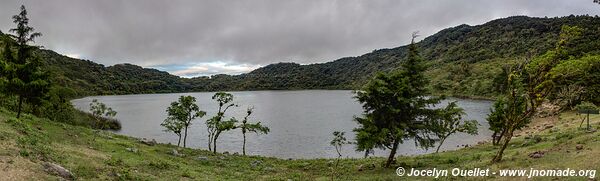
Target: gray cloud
(224, 36)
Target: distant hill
(463, 59)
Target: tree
(249, 127)
(175, 126)
(180, 115)
(24, 76)
(99, 111)
(496, 120)
(338, 141)
(528, 85)
(216, 125)
(449, 122)
(396, 108)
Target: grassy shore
(30, 141)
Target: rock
(579, 147)
(255, 163)
(174, 152)
(290, 159)
(58, 170)
(226, 153)
(202, 158)
(134, 150)
(481, 142)
(222, 157)
(360, 167)
(236, 154)
(148, 142)
(548, 126)
(537, 154)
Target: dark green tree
(216, 125)
(180, 115)
(450, 122)
(23, 74)
(251, 127)
(396, 107)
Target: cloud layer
(231, 36)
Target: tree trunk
(215, 142)
(185, 136)
(507, 139)
(392, 154)
(244, 146)
(19, 107)
(441, 142)
(179, 140)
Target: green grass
(30, 141)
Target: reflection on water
(301, 122)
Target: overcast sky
(195, 37)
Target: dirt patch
(538, 125)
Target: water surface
(301, 122)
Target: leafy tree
(586, 106)
(23, 74)
(57, 106)
(529, 83)
(99, 111)
(338, 141)
(496, 119)
(396, 108)
(449, 122)
(181, 113)
(175, 126)
(216, 125)
(251, 127)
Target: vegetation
(251, 127)
(180, 116)
(450, 122)
(23, 74)
(216, 125)
(28, 143)
(397, 107)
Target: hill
(464, 61)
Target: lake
(301, 122)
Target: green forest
(524, 64)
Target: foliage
(449, 122)
(396, 108)
(216, 125)
(251, 127)
(101, 112)
(23, 75)
(180, 116)
(586, 106)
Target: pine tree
(23, 74)
(396, 108)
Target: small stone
(360, 168)
(202, 158)
(58, 170)
(236, 154)
(579, 147)
(548, 127)
(226, 153)
(537, 154)
(174, 152)
(148, 142)
(134, 150)
(255, 163)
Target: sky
(197, 37)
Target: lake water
(301, 122)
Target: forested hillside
(464, 60)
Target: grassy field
(30, 141)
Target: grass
(30, 141)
